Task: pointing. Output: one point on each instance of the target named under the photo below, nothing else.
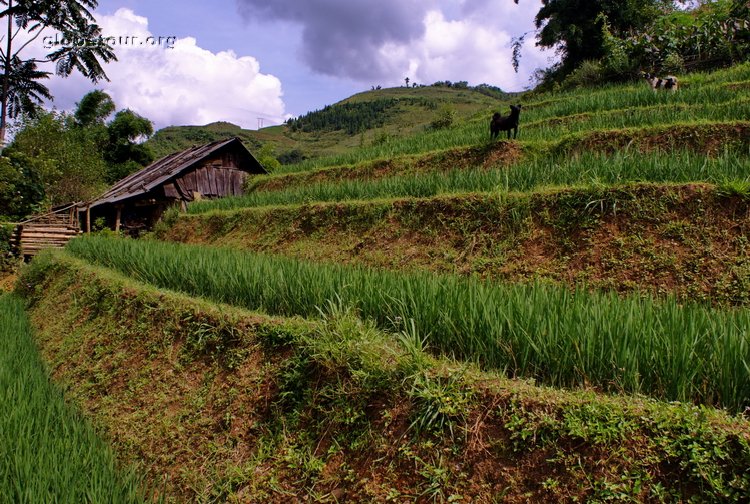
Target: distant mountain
(177, 138)
(358, 120)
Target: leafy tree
(65, 159)
(21, 91)
(492, 91)
(119, 140)
(291, 157)
(574, 27)
(58, 158)
(93, 109)
(21, 191)
(265, 156)
(25, 92)
(123, 152)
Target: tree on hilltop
(119, 140)
(93, 109)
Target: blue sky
(241, 60)
(217, 25)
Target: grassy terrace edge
(220, 403)
(696, 89)
(696, 152)
(685, 240)
(549, 333)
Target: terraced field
(562, 317)
(618, 188)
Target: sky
(257, 62)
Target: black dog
(500, 123)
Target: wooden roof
(168, 167)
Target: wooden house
(136, 202)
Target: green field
(558, 337)
(587, 140)
(48, 451)
(587, 169)
(224, 404)
(417, 313)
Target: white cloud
(425, 40)
(185, 84)
(476, 48)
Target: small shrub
(446, 116)
(590, 73)
(382, 137)
(266, 157)
(673, 63)
(734, 188)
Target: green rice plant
(551, 128)
(702, 97)
(48, 452)
(549, 333)
(619, 97)
(732, 188)
(530, 174)
(734, 73)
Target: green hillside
(416, 313)
(371, 117)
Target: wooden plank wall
(37, 236)
(45, 231)
(210, 180)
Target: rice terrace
(414, 306)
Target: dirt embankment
(687, 240)
(710, 139)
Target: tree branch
(18, 29)
(37, 60)
(18, 51)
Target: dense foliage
(716, 34)
(574, 27)
(602, 41)
(64, 158)
(350, 117)
(57, 158)
(6, 254)
(123, 151)
(21, 189)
